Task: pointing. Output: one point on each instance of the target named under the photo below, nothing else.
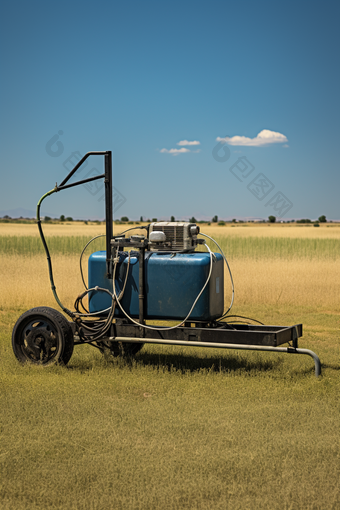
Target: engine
(177, 236)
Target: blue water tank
(172, 283)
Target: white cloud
(265, 137)
(186, 142)
(175, 152)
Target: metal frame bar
(270, 336)
(59, 188)
(78, 165)
(107, 176)
(288, 350)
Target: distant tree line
(125, 219)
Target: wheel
(42, 336)
(125, 349)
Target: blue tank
(172, 283)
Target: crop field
(177, 428)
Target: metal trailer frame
(212, 334)
(215, 335)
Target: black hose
(53, 287)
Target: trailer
(168, 274)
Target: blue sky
(139, 78)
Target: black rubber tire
(42, 336)
(125, 349)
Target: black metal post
(141, 289)
(108, 211)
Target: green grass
(282, 247)
(31, 246)
(175, 428)
(234, 247)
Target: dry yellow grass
(25, 282)
(278, 282)
(267, 230)
(62, 229)
(329, 231)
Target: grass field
(177, 427)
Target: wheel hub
(41, 343)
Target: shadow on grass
(183, 363)
(332, 366)
(188, 363)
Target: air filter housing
(180, 236)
